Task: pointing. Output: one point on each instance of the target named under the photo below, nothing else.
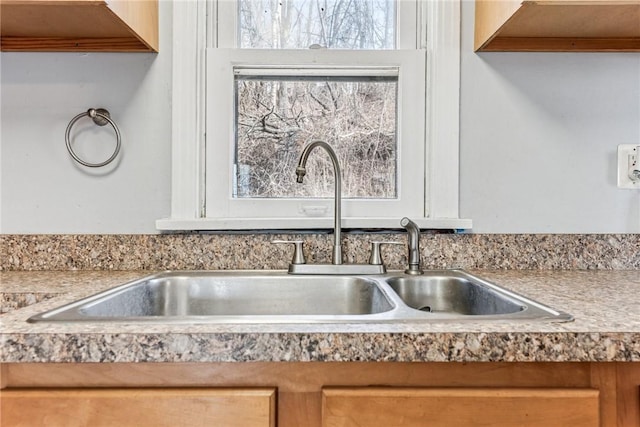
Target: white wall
(538, 139)
(539, 134)
(43, 189)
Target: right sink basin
(456, 294)
(446, 294)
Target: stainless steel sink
(207, 296)
(276, 297)
(454, 295)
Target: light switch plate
(625, 153)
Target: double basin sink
(278, 297)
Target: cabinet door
(138, 407)
(460, 407)
(628, 394)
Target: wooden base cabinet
(321, 394)
(628, 396)
(139, 407)
(461, 407)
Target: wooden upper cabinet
(79, 25)
(557, 25)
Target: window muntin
(299, 24)
(276, 115)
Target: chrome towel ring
(100, 117)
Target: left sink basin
(229, 296)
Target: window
(352, 73)
(275, 114)
(298, 24)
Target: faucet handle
(298, 254)
(375, 258)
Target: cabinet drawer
(138, 407)
(460, 407)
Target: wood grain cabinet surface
(557, 25)
(321, 394)
(460, 407)
(628, 396)
(139, 407)
(79, 25)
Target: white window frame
(408, 65)
(440, 199)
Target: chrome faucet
(298, 264)
(414, 246)
(337, 220)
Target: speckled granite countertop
(605, 304)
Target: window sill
(220, 224)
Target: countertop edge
(321, 347)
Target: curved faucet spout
(301, 170)
(414, 246)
